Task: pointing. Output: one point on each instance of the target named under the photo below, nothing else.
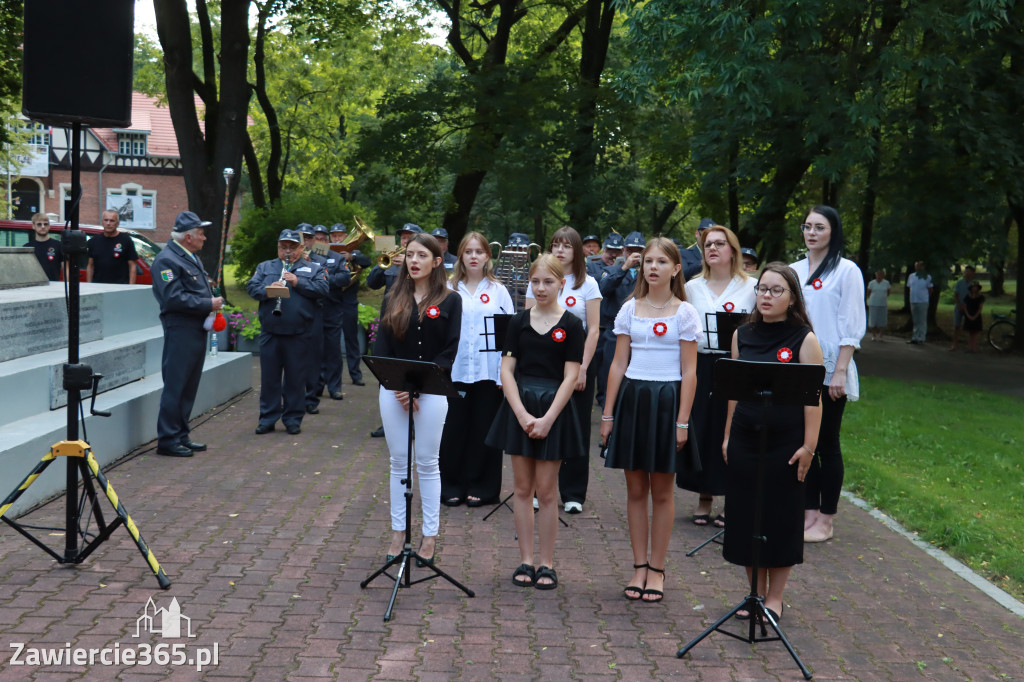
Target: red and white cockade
(484, 298)
(816, 283)
(570, 301)
(660, 328)
(729, 306)
(433, 312)
(784, 354)
(558, 334)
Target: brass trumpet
(384, 259)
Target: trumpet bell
(355, 238)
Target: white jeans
(429, 424)
(919, 314)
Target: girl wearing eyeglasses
(778, 331)
(833, 289)
(722, 286)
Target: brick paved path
(266, 539)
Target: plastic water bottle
(213, 345)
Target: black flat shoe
(524, 570)
(312, 409)
(452, 501)
(264, 428)
(337, 395)
(294, 429)
(425, 562)
(474, 502)
(358, 382)
(194, 446)
(174, 451)
(377, 433)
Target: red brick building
(134, 170)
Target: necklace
(657, 307)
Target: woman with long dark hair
(646, 417)
(580, 296)
(537, 423)
(833, 289)
(722, 286)
(470, 469)
(778, 331)
(422, 322)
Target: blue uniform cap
(339, 227)
(591, 238)
(305, 228)
(614, 241)
(518, 240)
(290, 236)
(747, 251)
(705, 223)
(635, 240)
(187, 220)
(410, 227)
(440, 233)
(319, 229)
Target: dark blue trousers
(283, 372)
(182, 368)
(350, 325)
(330, 366)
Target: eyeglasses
(718, 244)
(817, 229)
(775, 291)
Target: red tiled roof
(149, 117)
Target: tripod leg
(717, 624)
(785, 642)
(403, 569)
(713, 538)
(498, 506)
(122, 513)
(26, 482)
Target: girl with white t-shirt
(646, 419)
(582, 298)
(833, 291)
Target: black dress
(540, 368)
(973, 305)
(782, 517)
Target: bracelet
(607, 419)
(807, 449)
(682, 426)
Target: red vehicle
(18, 232)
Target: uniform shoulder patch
(166, 275)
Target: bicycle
(1002, 331)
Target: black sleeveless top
(770, 342)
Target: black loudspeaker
(78, 62)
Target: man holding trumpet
(287, 288)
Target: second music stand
(766, 383)
(417, 378)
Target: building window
(135, 206)
(131, 144)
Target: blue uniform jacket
(181, 288)
(297, 311)
(616, 286)
(338, 276)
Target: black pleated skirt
(564, 440)
(644, 435)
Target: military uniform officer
(350, 310)
(617, 283)
(592, 249)
(183, 291)
(612, 250)
(338, 278)
(285, 338)
(316, 344)
(449, 258)
(693, 257)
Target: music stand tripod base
(416, 378)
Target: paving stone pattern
(266, 539)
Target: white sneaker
(573, 507)
(536, 504)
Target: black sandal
(719, 521)
(654, 593)
(631, 590)
(546, 572)
(527, 570)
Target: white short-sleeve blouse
(654, 341)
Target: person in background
(338, 279)
(112, 256)
(315, 347)
(356, 262)
(833, 292)
(722, 286)
(613, 246)
(960, 291)
(617, 284)
(693, 259)
(878, 305)
(592, 250)
(921, 289)
(750, 259)
(470, 469)
(48, 250)
(441, 235)
(973, 307)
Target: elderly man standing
(183, 291)
(286, 325)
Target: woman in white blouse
(581, 297)
(470, 470)
(833, 290)
(722, 286)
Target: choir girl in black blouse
(537, 424)
(422, 322)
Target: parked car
(18, 232)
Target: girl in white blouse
(581, 296)
(834, 294)
(647, 408)
(722, 286)
(470, 470)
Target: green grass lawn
(946, 462)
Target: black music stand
(768, 383)
(725, 326)
(417, 378)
